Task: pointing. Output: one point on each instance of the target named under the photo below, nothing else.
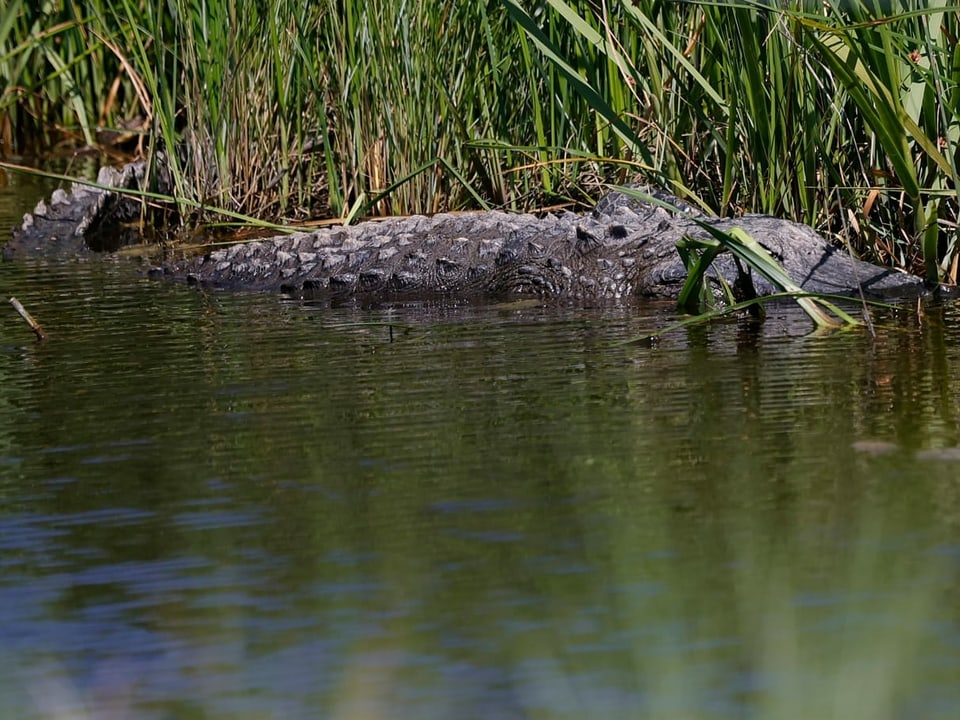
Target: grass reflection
(659, 611)
(722, 619)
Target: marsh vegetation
(844, 115)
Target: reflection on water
(235, 506)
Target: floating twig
(34, 325)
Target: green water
(236, 506)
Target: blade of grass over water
(699, 253)
(738, 308)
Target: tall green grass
(843, 115)
(53, 75)
(295, 110)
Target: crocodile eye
(617, 231)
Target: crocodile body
(89, 218)
(624, 248)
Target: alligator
(625, 247)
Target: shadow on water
(235, 506)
